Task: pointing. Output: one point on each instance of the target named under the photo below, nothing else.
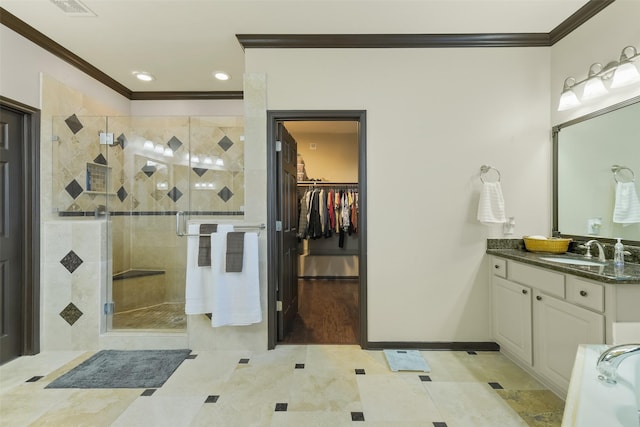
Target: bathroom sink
(572, 261)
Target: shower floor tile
(161, 316)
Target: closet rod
(325, 183)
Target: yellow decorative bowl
(550, 245)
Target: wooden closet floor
(327, 313)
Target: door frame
(30, 298)
(273, 117)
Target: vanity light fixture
(594, 86)
(568, 98)
(143, 76)
(221, 75)
(626, 73)
(620, 73)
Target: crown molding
(582, 15)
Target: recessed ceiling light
(143, 76)
(221, 75)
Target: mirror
(585, 152)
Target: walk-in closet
(328, 233)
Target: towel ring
(616, 169)
(485, 169)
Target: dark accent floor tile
(299, 365)
(174, 143)
(225, 194)
(225, 143)
(100, 160)
(74, 189)
(122, 194)
(71, 313)
(192, 356)
(34, 379)
(148, 392)
(496, 386)
(174, 194)
(74, 123)
(360, 372)
(71, 261)
(243, 361)
(424, 377)
(281, 407)
(473, 353)
(212, 399)
(439, 424)
(200, 171)
(357, 416)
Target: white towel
(236, 298)
(627, 206)
(491, 205)
(199, 280)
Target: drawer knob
(539, 298)
(496, 266)
(583, 293)
(524, 291)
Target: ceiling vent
(73, 8)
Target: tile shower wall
(156, 164)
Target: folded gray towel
(204, 245)
(235, 251)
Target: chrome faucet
(601, 256)
(611, 358)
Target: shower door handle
(180, 219)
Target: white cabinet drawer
(584, 293)
(499, 267)
(547, 281)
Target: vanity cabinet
(541, 316)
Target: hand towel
(199, 280)
(235, 252)
(491, 205)
(236, 297)
(627, 206)
(204, 248)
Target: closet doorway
(317, 247)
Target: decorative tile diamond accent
(424, 378)
(71, 314)
(71, 261)
(357, 416)
(225, 194)
(496, 386)
(34, 379)
(200, 171)
(243, 361)
(281, 407)
(122, 194)
(299, 365)
(74, 189)
(149, 170)
(192, 356)
(439, 424)
(121, 141)
(225, 143)
(148, 392)
(174, 143)
(74, 123)
(360, 372)
(100, 160)
(174, 194)
(472, 353)
(212, 399)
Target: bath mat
(406, 360)
(123, 369)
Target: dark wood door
(287, 202)
(11, 232)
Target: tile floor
(293, 385)
(162, 316)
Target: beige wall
(335, 157)
(428, 133)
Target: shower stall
(136, 173)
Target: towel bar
(181, 224)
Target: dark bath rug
(123, 369)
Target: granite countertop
(604, 273)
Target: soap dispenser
(618, 254)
